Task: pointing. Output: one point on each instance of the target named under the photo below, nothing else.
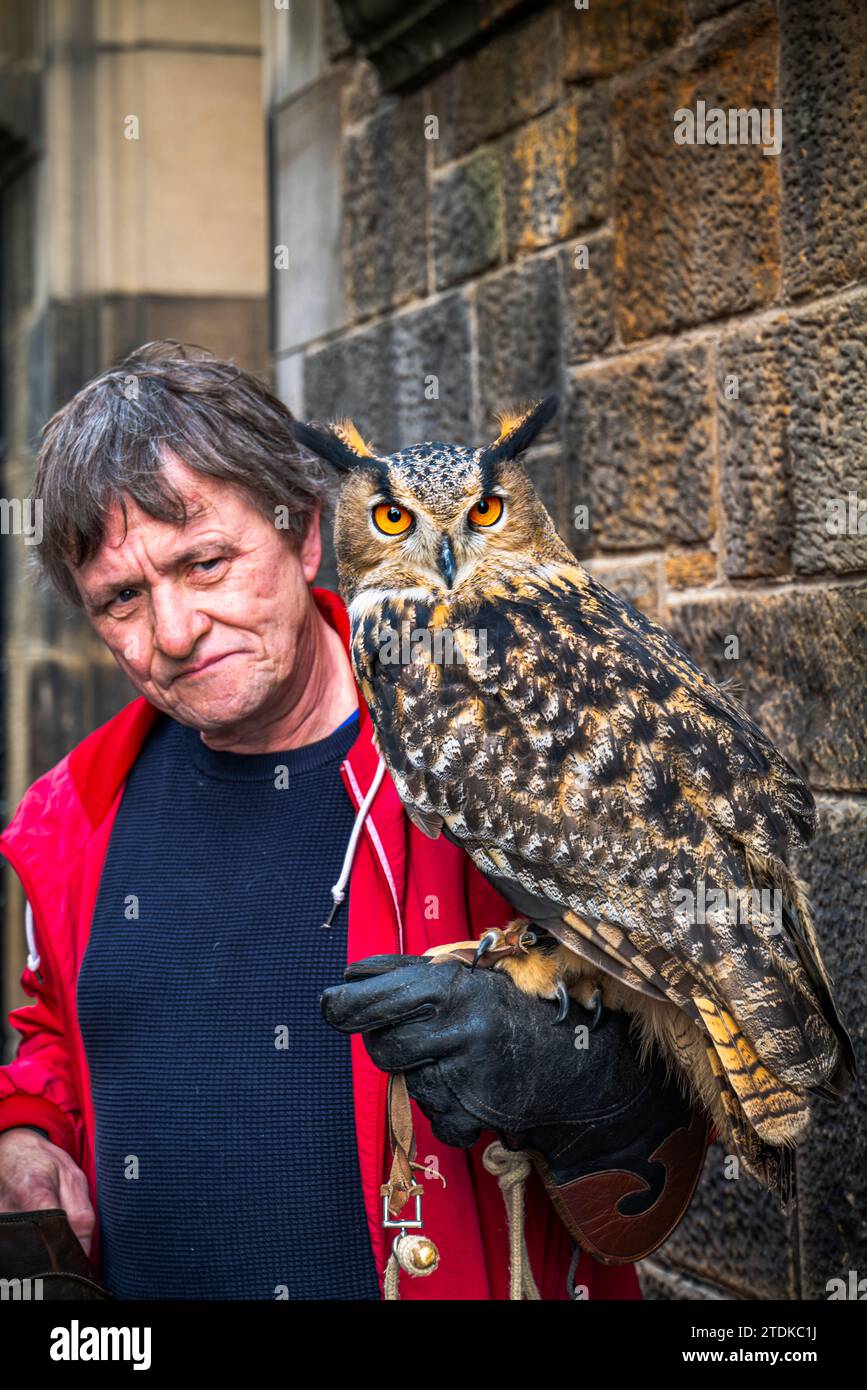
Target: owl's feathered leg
(533, 959)
(538, 964)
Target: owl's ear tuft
(345, 430)
(339, 444)
(518, 429)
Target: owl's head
(435, 516)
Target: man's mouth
(203, 665)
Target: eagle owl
(633, 815)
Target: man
(176, 1090)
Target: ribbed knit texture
(226, 1164)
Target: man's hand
(479, 1053)
(35, 1174)
(617, 1145)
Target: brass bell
(416, 1254)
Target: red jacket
(57, 843)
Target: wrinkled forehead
(432, 472)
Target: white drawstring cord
(33, 956)
(338, 892)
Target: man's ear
(310, 550)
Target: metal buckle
(415, 1225)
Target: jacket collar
(100, 764)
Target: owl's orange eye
(391, 519)
(486, 512)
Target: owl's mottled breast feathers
(576, 680)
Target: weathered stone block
(639, 450)
(467, 217)
(431, 374)
(696, 225)
(509, 80)
(288, 381)
(402, 381)
(827, 382)
(543, 468)
(293, 39)
(518, 316)
(755, 463)
(700, 10)
(236, 329)
(823, 78)
(588, 298)
(614, 34)
(801, 667)
(558, 176)
(734, 1235)
(690, 570)
(661, 1282)
(201, 158)
(226, 22)
(793, 445)
(19, 235)
(39, 609)
(326, 577)
(361, 92)
(385, 202)
(635, 580)
(832, 1163)
(349, 377)
(56, 366)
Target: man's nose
(177, 623)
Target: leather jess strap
(400, 1186)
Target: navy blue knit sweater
(225, 1142)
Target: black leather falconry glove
(618, 1148)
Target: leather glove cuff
(622, 1182)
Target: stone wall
(710, 346)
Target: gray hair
(105, 445)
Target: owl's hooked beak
(446, 563)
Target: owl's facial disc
(434, 520)
(440, 537)
(435, 516)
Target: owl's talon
(563, 1001)
(487, 942)
(596, 1005)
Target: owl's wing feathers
(587, 761)
(726, 766)
(735, 776)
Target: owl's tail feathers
(770, 1164)
(749, 1092)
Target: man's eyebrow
(202, 550)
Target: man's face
(225, 593)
